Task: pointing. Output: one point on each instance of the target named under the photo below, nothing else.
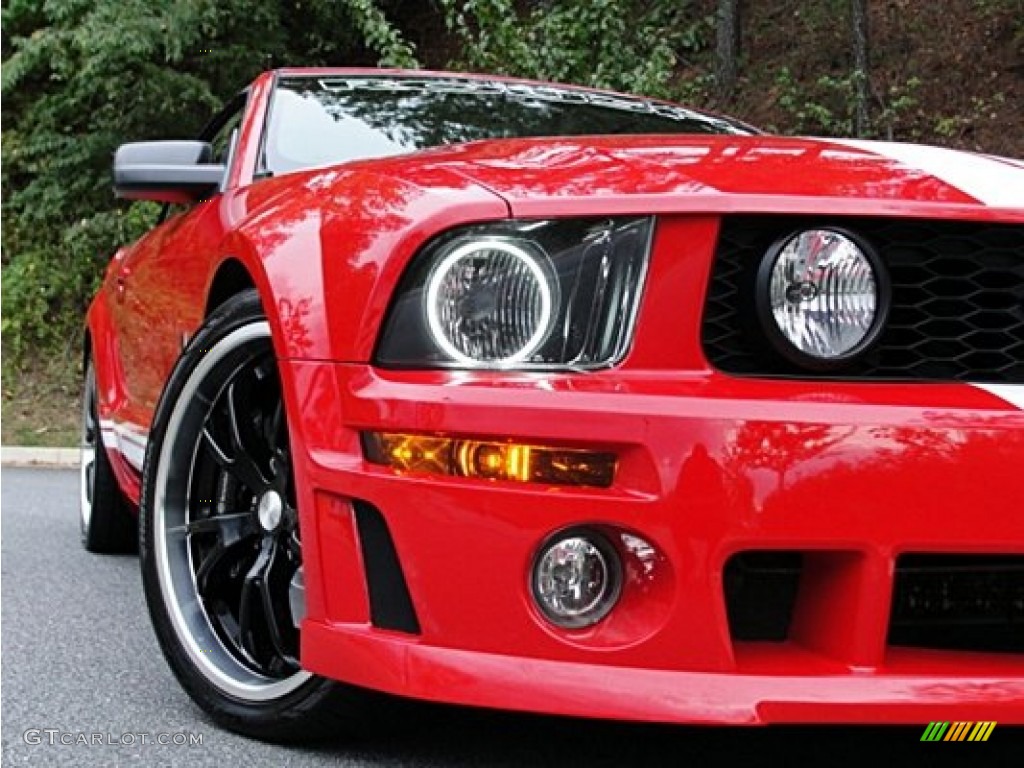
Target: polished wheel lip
(188, 618)
(87, 453)
(87, 459)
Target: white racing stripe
(993, 182)
(1013, 394)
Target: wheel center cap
(269, 510)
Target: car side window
(223, 141)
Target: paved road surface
(78, 655)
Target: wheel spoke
(251, 585)
(213, 524)
(227, 621)
(89, 413)
(237, 427)
(293, 545)
(88, 460)
(219, 556)
(276, 436)
(240, 464)
(270, 616)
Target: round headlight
(823, 296)
(491, 302)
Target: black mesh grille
(957, 301)
(961, 602)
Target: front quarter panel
(327, 251)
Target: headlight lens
(521, 294)
(823, 295)
(489, 301)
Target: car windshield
(317, 121)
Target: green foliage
(45, 292)
(82, 76)
(828, 106)
(381, 36)
(624, 45)
(956, 126)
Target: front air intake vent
(760, 592)
(959, 602)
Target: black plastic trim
(390, 603)
(956, 314)
(958, 602)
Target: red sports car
(535, 397)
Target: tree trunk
(737, 32)
(727, 36)
(861, 64)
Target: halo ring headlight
(520, 294)
(489, 302)
(823, 296)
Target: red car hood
(657, 174)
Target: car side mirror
(166, 171)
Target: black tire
(105, 517)
(249, 681)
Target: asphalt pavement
(80, 663)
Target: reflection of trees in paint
(295, 324)
(931, 443)
(954, 459)
(780, 447)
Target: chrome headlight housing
(823, 296)
(521, 295)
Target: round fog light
(576, 579)
(823, 295)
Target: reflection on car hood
(709, 171)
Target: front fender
(326, 255)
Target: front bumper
(850, 475)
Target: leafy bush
(45, 293)
(827, 106)
(624, 45)
(81, 76)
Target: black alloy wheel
(221, 543)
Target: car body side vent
(390, 603)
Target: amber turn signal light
(488, 460)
